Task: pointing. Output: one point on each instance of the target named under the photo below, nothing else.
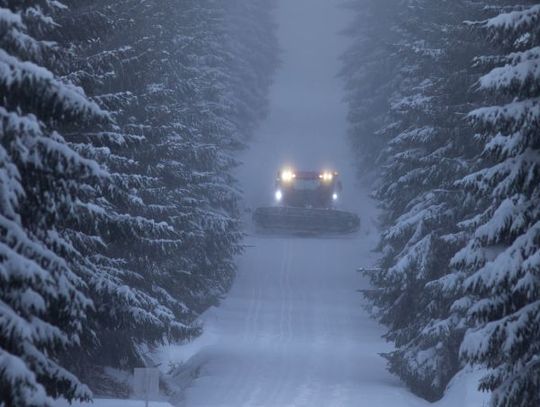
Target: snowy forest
(123, 124)
(444, 102)
(118, 210)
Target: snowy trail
(292, 331)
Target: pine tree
(460, 212)
(253, 47)
(167, 73)
(501, 262)
(371, 74)
(42, 304)
(132, 308)
(125, 254)
(428, 147)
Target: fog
(290, 331)
(151, 245)
(306, 127)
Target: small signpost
(146, 384)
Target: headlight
(279, 195)
(287, 175)
(334, 196)
(326, 176)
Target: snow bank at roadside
(463, 391)
(173, 356)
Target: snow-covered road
(292, 332)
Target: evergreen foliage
(457, 185)
(370, 73)
(426, 149)
(501, 260)
(119, 232)
(42, 301)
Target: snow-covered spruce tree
(209, 103)
(501, 261)
(173, 82)
(429, 147)
(371, 74)
(194, 157)
(42, 305)
(128, 61)
(428, 151)
(125, 244)
(254, 50)
(152, 244)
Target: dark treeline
(445, 106)
(119, 121)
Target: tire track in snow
(243, 390)
(249, 317)
(284, 380)
(289, 293)
(283, 266)
(246, 394)
(236, 385)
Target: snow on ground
(292, 332)
(463, 391)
